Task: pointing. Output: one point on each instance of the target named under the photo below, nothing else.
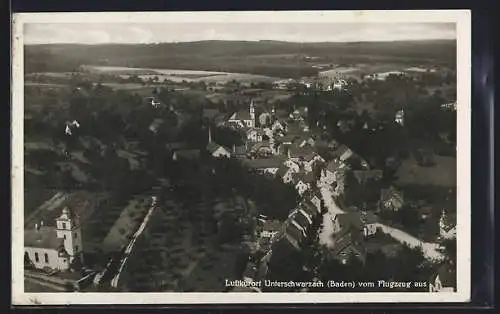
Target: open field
(178, 75)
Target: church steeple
(252, 113)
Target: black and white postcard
(241, 157)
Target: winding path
(430, 250)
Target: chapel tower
(68, 228)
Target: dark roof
(212, 147)
(272, 225)
(307, 177)
(45, 237)
(294, 232)
(341, 150)
(309, 207)
(287, 138)
(259, 145)
(391, 192)
(188, 153)
(155, 124)
(333, 165)
(301, 220)
(263, 163)
(282, 170)
(304, 152)
(242, 115)
(239, 150)
(81, 204)
(364, 175)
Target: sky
(100, 33)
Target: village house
(298, 154)
(239, 151)
(270, 228)
(303, 181)
(277, 127)
(155, 125)
(447, 226)
(54, 247)
(265, 119)
(444, 280)
(356, 221)
(255, 135)
(311, 160)
(293, 165)
(264, 165)
(343, 152)
(299, 114)
(399, 117)
(348, 243)
(286, 174)
(391, 199)
(329, 173)
(263, 149)
(217, 150)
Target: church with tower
(244, 118)
(54, 247)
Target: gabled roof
(212, 147)
(308, 177)
(391, 193)
(45, 237)
(341, 150)
(294, 232)
(155, 125)
(282, 170)
(301, 220)
(309, 207)
(305, 152)
(241, 115)
(272, 225)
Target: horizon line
(243, 41)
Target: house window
(37, 259)
(64, 225)
(64, 237)
(46, 258)
(76, 248)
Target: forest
(237, 56)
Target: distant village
(277, 144)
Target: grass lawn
(442, 174)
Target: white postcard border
(460, 17)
